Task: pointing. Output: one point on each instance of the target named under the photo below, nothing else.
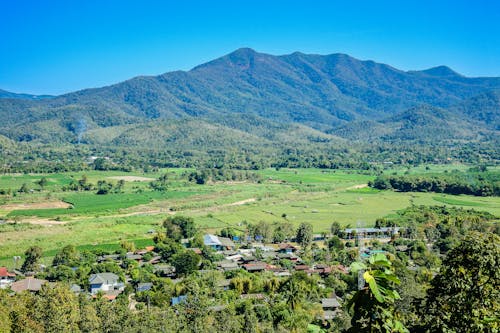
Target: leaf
(357, 266)
(373, 286)
(380, 259)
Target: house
(6, 278)
(104, 282)
(286, 248)
(75, 288)
(108, 257)
(134, 256)
(196, 250)
(330, 307)
(31, 284)
(218, 243)
(289, 256)
(304, 268)
(224, 284)
(144, 286)
(323, 270)
(256, 266)
(318, 237)
(252, 296)
(228, 265)
(164, 270)
(385, 232)
(178, 300)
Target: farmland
(52, 218)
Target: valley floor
(51, 218)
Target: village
(232, 257)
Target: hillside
(256, 97)
(8, 94)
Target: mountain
(483, 108)
(8, 94)
(261, 98)
(441, 71)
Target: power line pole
(359, 238)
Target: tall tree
(33, 255)
(57, 309)
(178, 227)
(305, 234)
(465, 295)
(68, 256)
(185, 262)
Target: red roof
(195, 250)
(5, 273)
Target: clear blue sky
(52, 47)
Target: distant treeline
(471, 183)
(33, 158)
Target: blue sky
(53, 47)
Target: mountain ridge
(326, 93)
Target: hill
(8, 94)
(253, 98)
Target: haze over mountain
(260, 98)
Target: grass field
(295, 195)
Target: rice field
(295, 195)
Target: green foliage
(471, 183)
(464, 296)
(178, 227)
(68, 256)
(185, 262)
(304, 234)
(31, 260)
(161, 184)
(335, 243)
(373, 305)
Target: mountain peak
(441, 71)
(241, 58)
(244, 51)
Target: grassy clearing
(458, 202)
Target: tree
(465, 295)
(33, 255)
(127, 246)
(89, 321)
(42, 182)
(24, 188)
(373, 305)
(185, 262)
(178, 227)
(68, 256)
(335, 228)
(304, 234)
(100, 164)
(335, 243)
(57, 309)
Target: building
(330, 307)
(218, 243)
(286, 248)
(256, 266)
(6, 278)
(385, 232)
(31, 284)
(104, 282)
